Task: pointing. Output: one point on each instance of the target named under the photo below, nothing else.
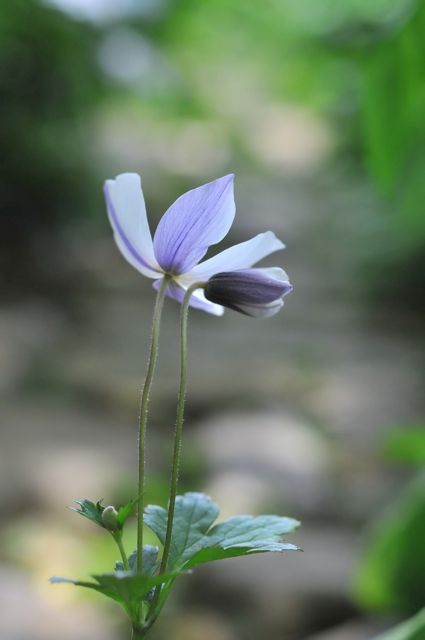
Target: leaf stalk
(117, 536)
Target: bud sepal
(113, 520)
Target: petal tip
(277, 242)
(128, 176)
(226, 180)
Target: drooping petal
(240, 256)
(127, 215)
(198, 301)
(253, 292)
(261, 310)
(198, 219)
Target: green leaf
(195, 540)
(150, 561)
(244, 535)
(122, 586)
(193, 516)
(406, 445)
(125, 511)
(92, 511)
(128, 587)
(413, 629)
(391, 575)
(89, 585)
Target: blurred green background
(318, 413)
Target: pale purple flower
(195, 221)
(254, 292)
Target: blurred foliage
(391, 575)
(406, 445)
(393, 99)
(48, 82)
(359, 65)
(413, 629)
(393, 134)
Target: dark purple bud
(253, 292)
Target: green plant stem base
(187, 529)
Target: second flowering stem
(153, 354)
(179, 422)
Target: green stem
(144, 416)
(179, 422)
(118, 539)
(177, 436)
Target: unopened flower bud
(254, 292)
(110, 518)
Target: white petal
(127, 215)
(261, 310)
(206, 305)
(176, 290)
(240, 256)
(275, 272)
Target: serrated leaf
(125, 511)
(89, 585)
(122, 586)
(193, 516)
(94, 510)
(195, 540)
(90, 510)
(128, 587)
(150, 561)
(150, 565)
(244, 535)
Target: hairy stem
(179, 422)
(177, 435)
(153, 354)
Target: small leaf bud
(109, 518)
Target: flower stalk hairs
(198, 219)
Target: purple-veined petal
(240, 256)
(253, 292)
(198, 219)
(127, 215)
(198, 301)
